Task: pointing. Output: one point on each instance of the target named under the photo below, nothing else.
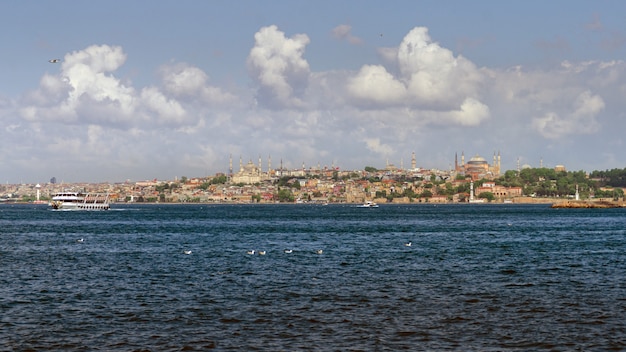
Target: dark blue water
(477, 277)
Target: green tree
(370, 169)
(487, 195)
(285, 195)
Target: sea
(476, 277)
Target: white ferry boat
(80, 201)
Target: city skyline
(145, 90)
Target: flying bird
(54, 61)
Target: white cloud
(276, 64)
(376, 146)
(344, 32)
(581, 119)
(373, 85)
(186, 81)
(168, 110)
(435, 87)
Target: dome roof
(478, 158)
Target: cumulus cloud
(376, 146)
(277, 66)
(375, 86)
(344, 32)
(83, 84)
(430, 79)
(87, 92)
(186, 81)
(581, 119)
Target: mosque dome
(249, 167)
(477, 160)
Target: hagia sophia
(477, 167)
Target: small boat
(368, 204)
(80, 201)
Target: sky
(164, 89)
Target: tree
(285, 195)
(370, 169)
(219, 180)
(426, 194)
(487, 195)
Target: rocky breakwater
(589, 204)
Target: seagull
(187, 252)
(261, 252)
(54, 61)
(288, 251)
(252, 251)
(408, 244)
(80, 240)
(319, 251)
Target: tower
(230, 165)
(413, 162)
(269, 164)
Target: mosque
(249, 173)
(477, 167)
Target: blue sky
(160, 89)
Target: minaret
(269, 164)
(240, 163)
(413, 162)
(456, 162)
(463, 159)
(518, 169)
(541, 163)
(499, 163)
(230, 165)
(401, 163)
